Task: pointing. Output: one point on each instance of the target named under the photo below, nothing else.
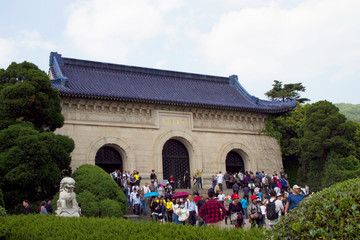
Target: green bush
(333, 213)
(45, 227)
(2, 204)
(93, 188)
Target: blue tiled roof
(88, 79)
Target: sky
(315, 42)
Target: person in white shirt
(221, 197)
(279, 207)
(183, 214)
(133, 196)
(146, 188)
(220, 179)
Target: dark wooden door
(234, 162)
(175, 161)
(108, 159)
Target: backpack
(271, 214)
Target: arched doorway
(234, 162)
(175, 161)
(109, 159)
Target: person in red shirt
(213, 212)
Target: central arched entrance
(175, 161)
(109, 159)
(234, 162)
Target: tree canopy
(319, 146)
(284, 92)
(32, 157)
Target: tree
(25, 92)
(286, 92)
(325, 131)
(32, 157)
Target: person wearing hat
(294, 199)
(236, 211)
(254, 212)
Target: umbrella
(151, 194)
(180, 195)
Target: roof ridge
(144, 70)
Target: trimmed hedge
(98, 193)
(45, 227)
(333, 213)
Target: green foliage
(2, 203)
(286, 92)
(98, 193)
(325, 131)
(25, 92)
(2, 212)
(32, 158)
(51, 227)
(333, 213)
(351, 111)
(31, 163)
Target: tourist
(145, 189)
(195, 185)
(241, 178)
(143, 202)
(153, 176)
(183, 213)
(221, 197)
(169, 210)
(217, 189)
(176, 211)
(263, 209)
(199, 204)
(212, 211)
(284, 185)
(254, 212)
(226, 206)
(231, 180)
(161, 211)
(80, 210)
(187, 179)
(199, 173)
(132, 198)
(154, 209)
(244, 205)
(236, 212)
(48, 206)
(236, 188)
(127, 192)
(43, 210)
(282, 173)
(152, 187)
(213, 181)
(246, 191)
(251, 186)
(294, 199)
(279, 208)
(190, 205)
(136, 204)
(220, 179)
(172, 182)
(161, 190)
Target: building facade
(132, 118)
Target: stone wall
(139, 132)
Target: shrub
(45, 227)
(93, 188)
(2, 204)
(333, 213)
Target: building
(125, 117)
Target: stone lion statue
(67, 205)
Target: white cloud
(33, 39)
(297, 44)
(100, 27)
(7, 49)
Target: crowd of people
(263, 197)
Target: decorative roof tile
(88, 79)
